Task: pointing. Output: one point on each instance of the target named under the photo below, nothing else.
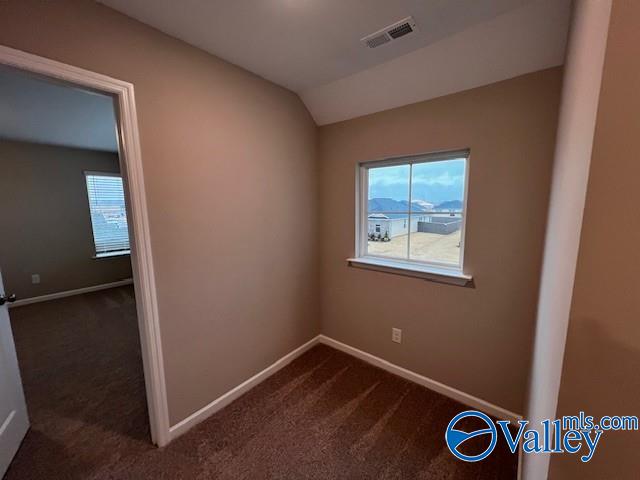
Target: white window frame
(115, 253)
(431, 270)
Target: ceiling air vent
(390, 33)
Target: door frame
(141, 255)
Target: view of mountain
(388, 205)
(427, 206)
(450, 205)
(391, 205)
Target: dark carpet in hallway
(326, 415)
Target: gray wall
(45, 219)
(443, 226)
(217, 142)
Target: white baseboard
(69, 293)
(219, 403)
(224, 400)
(429, 383)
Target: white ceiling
(307, 45)
(40, 111)
(525, 40)
(302, 44)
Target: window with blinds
(108, 213)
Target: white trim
(69, 293)
(577, 119)
(520, 461)
(141, 254)
(363, 258)
(411, 269)
(116, 253)
(434, 385)
(224, 400)
(219, 403)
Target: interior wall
(230, 174)
(478, 339)
(45, 219)
(602, 356)
(572, 158)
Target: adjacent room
(65, 257)
(317, 239)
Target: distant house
(382, 224)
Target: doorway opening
(76, 254)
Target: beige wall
(602, 357)
(475, 339)
(45, 219)
(219, 146)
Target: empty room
(304, 239)
(65, 259)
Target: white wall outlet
(35, 278)
(396, 335)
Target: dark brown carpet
(326, 415)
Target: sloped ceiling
(526, 40)
(313, 46)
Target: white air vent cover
(399, 29)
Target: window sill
(122, 253)
(426, 272)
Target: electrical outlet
(35, 278)
(396, 335)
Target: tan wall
(45, 220)
(475, 339)
(602, 357)
(219, 146)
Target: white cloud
(445, 179)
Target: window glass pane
(437, 200)
(108, 213)
(388, 211)
(388, 237)
(389, 189)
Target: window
(421, 200)
(108, 214)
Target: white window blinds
(108, 213)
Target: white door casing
(141, 253)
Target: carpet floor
(326, 415)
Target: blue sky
(433, 182)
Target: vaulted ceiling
(313, 47)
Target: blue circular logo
(455, 438)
